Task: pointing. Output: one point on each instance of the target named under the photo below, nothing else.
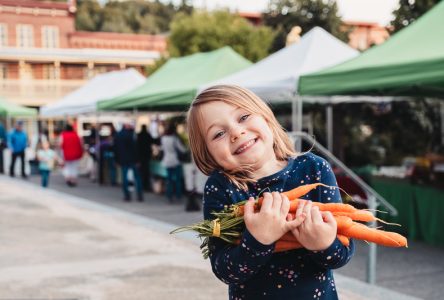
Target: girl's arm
(232, 264)
(336, 255)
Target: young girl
(47, 159)
(236, 140)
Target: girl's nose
(236, 133)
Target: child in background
(47, 159)
(236, 140)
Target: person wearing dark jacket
(3, 140)
(144, 144)
(17, 142)
(127, 158)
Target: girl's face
(236, 137)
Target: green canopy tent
(175, 84)
(9, 109)
(411, 63)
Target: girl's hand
(319, 229)
(270, 223)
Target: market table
(419, 208)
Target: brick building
(363, 35)
(43, 57)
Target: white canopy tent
(103, 86)
(275, 78)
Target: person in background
(47, 159)
(107, 160)
(72, 153)
(126, 156)
(17, 143)
(2, 145)
(170, 144)
(91, 142)
(144, 148)
(36, 141)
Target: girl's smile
(245, 146)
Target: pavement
(86, 243)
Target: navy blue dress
(251, 269)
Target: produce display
(228, 224)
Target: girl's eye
(218, 135)
(244, 117)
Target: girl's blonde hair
(245, 99)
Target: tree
(114, 20)
(88, 16)
(206, 31)
(149, 17)
(283, 15)
(410, 10)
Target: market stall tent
(175, 84)
(275, 77)
(410, 63)
(84, 100)
(9, 109)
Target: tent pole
(297, 119)
(329, 112)
(442, 122)
(97, 150)
(294, 114)
(372, 252)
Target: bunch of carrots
(229, 224)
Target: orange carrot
(302, 190)
(282, 245)
(336, 207)
(332, 207)
(344, 240)
(289, 237)
(380, 237)
(343, 222)
(359, 215)
(298, 192)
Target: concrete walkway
(61, 246)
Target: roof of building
(77, 55)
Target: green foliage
(393, 131)
(410, 10)
(150, 69)
(137, 16)
(88, 16)
(205, 31)
(282, 15)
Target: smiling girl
(236, 140)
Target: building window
(3, 71)
(3, 35)
(25, 36)
(51, 72)
(50, 37)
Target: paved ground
(92, 245)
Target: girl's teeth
(246, 146)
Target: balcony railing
(33, 92)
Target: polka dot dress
(251, 269)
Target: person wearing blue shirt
(2, 145)
(17, 143)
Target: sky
(378, 11)
(375, 11)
